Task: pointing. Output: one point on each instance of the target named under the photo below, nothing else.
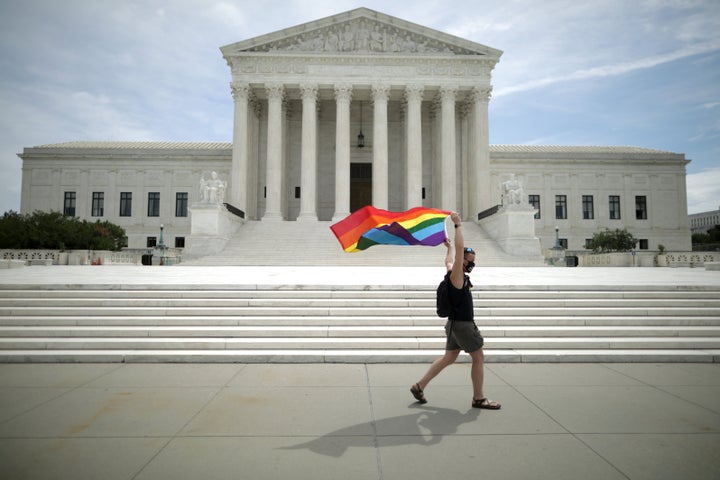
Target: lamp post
(161, 245)
(557, 238)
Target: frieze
(362, 36)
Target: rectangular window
(179, 242)
(641, 207)
(98, 204)
(588, 241)
(151, 242)
(69, 204)
(181, 201)
(644, 244)
(297, 192)
(534, 200)
(588, 208)
(561, 207)
(153, 204)
(125, 204)
(563, 243)
(614, 207)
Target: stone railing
(71, 257)
(646, 259)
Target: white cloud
(703, 190)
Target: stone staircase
(313, 243)
(362, 323)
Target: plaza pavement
(356, 421)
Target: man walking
(462, 333)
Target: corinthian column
(273, 186)
(479, 183)
(343, 94)
(380, 147)
(239, 169)
(413, 183)
(308, 158)
(448, 158)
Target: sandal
(418, 393)
(485, 403)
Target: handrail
(234, 210)
(489, 212)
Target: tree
(612, 241)
(53, 230)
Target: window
(153, 204)
(643, 244)
(125, 204)
(588, 208)
(181, 201)
(69, 204)
(588, 242)
(151, 242)
(561, 206)
(297, 192)
(614, 207)
(179, 242)
(534, 200)
(563, 243)
(98, 204)
(641, 207)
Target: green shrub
(52, 230)
(612, 241)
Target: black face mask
(469, 267)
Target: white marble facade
(420, 98)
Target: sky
(642, 73)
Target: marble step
(329, 343)
(430, 319)
(358, 356)
(347, 331)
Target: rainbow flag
(370, 226)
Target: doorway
(360, 185)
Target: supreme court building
(354, 109)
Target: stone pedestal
(513, 228)
(211, 226)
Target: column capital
(275, 91)
(343, 92)
(240, 91)
(481, 94)
(414, 92)
(448, 92)
(309, 91)
(380, 92)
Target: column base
(272, 217)
(307, 217)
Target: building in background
(355, 109)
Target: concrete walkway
(333, 421)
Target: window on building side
(69, 204)
(153, 204)
(561, 206)
(98, 204)
(534, 200)
(641, 207)
(563, 243)
(151, 242)
(181, 204)
(179, 242)
(643, 243)
(588, 208)
(125, 204)
(614, 207)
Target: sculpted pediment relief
(361, 31)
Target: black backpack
(442, 298)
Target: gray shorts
(464, 335)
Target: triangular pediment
(360, 31)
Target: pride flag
(370, 226)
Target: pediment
(360, 31)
